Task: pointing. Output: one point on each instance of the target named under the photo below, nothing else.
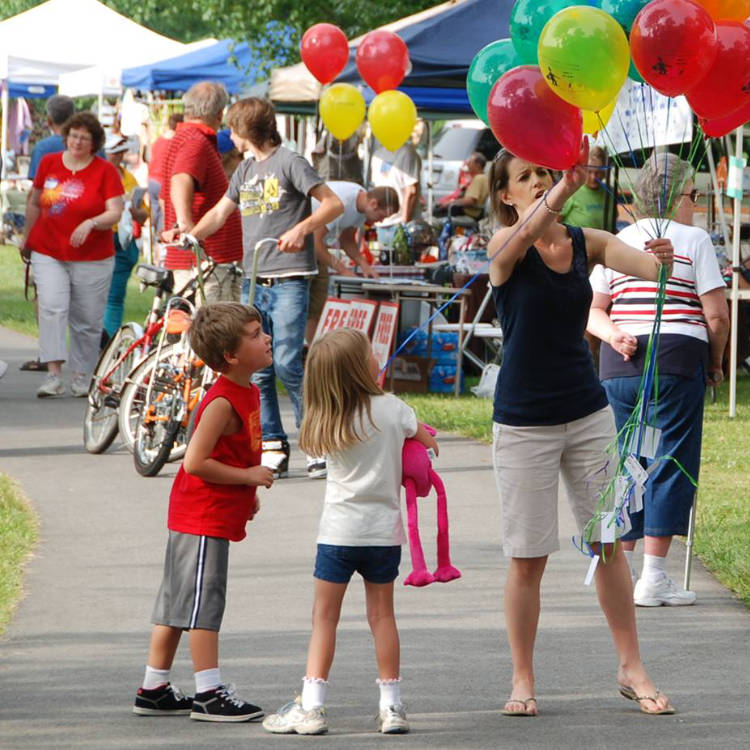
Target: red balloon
(723, 125)
(324, 50)
(673, 45)
(383, 60)
(726, 86)
(533, 122)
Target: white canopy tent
(61, 36)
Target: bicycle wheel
(100, 420)
(153, 444)
(134, 392)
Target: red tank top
(221, 510)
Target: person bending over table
(551, 415)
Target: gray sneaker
(79, 385)
(662, 592)
(292, 719)
(51, 387)
(392, 720)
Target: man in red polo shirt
(194, 181)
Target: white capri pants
(528, 462)
(71, 293)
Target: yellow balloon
(342, 109)
(593, 122)
(584, 56)
(392, 117)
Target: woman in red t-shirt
(75, 201)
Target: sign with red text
(382, 336)
(362, 314)
(335, 315)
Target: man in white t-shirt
(401, 170)
(360, 206)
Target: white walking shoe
(392, 720)
(51, 387)
(293, 719)
(662, 592)
(79, 385)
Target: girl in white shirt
(361, 431)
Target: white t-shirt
(696, 272)
(363, 490)
(397, 169)
(351, 218)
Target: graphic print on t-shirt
(260, 195)
(56, 195)
(253, 422)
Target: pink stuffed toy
(418, 478)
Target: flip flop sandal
(34, 365)
(627, 692)
(526, 710)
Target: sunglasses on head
(694, 195)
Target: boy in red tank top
(212, 499)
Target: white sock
(654, 568)
(390, 692)
(313, 692)
(207, 679)
(154, 678)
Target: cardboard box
(410, 374)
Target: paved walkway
(74, 654)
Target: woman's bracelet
(547, 205)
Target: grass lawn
(723, 527)
(18, 534)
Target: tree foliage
(273, 26)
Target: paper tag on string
(608, 528)
(622, 483)
(591, 570)
(636, 502)
(639, 474)
(734, 178)
(650, 441)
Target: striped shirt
(695, 272)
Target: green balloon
(527, 19)
(486, 67)
(633, 73)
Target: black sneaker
(276, 457)
(222, 704)
(166, 700)
(316, 467)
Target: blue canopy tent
(232, 64)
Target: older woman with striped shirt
(694, 329)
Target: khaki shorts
(318, 292)
(528, 462)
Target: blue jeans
(283, 309)
(669, 494)
(125, 259)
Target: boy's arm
(426, 438)
(219, 419)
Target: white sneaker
(662, 592)
(79, 385)
(392, 720)
(292, 719)
(316, 467)
(51, 387)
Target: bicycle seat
(151, 275)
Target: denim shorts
(335, 563)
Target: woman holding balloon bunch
(551, 414)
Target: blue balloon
(623, 11)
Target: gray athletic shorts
(193, 589)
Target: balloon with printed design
(392, 116)
(325, 51)
(722, 125)
(383, 60)
(584, 55)
(726, 10)
(487, 66)
(726, 86)
(673, 44)
(342, 109)
(532, 122)
(527, 19)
